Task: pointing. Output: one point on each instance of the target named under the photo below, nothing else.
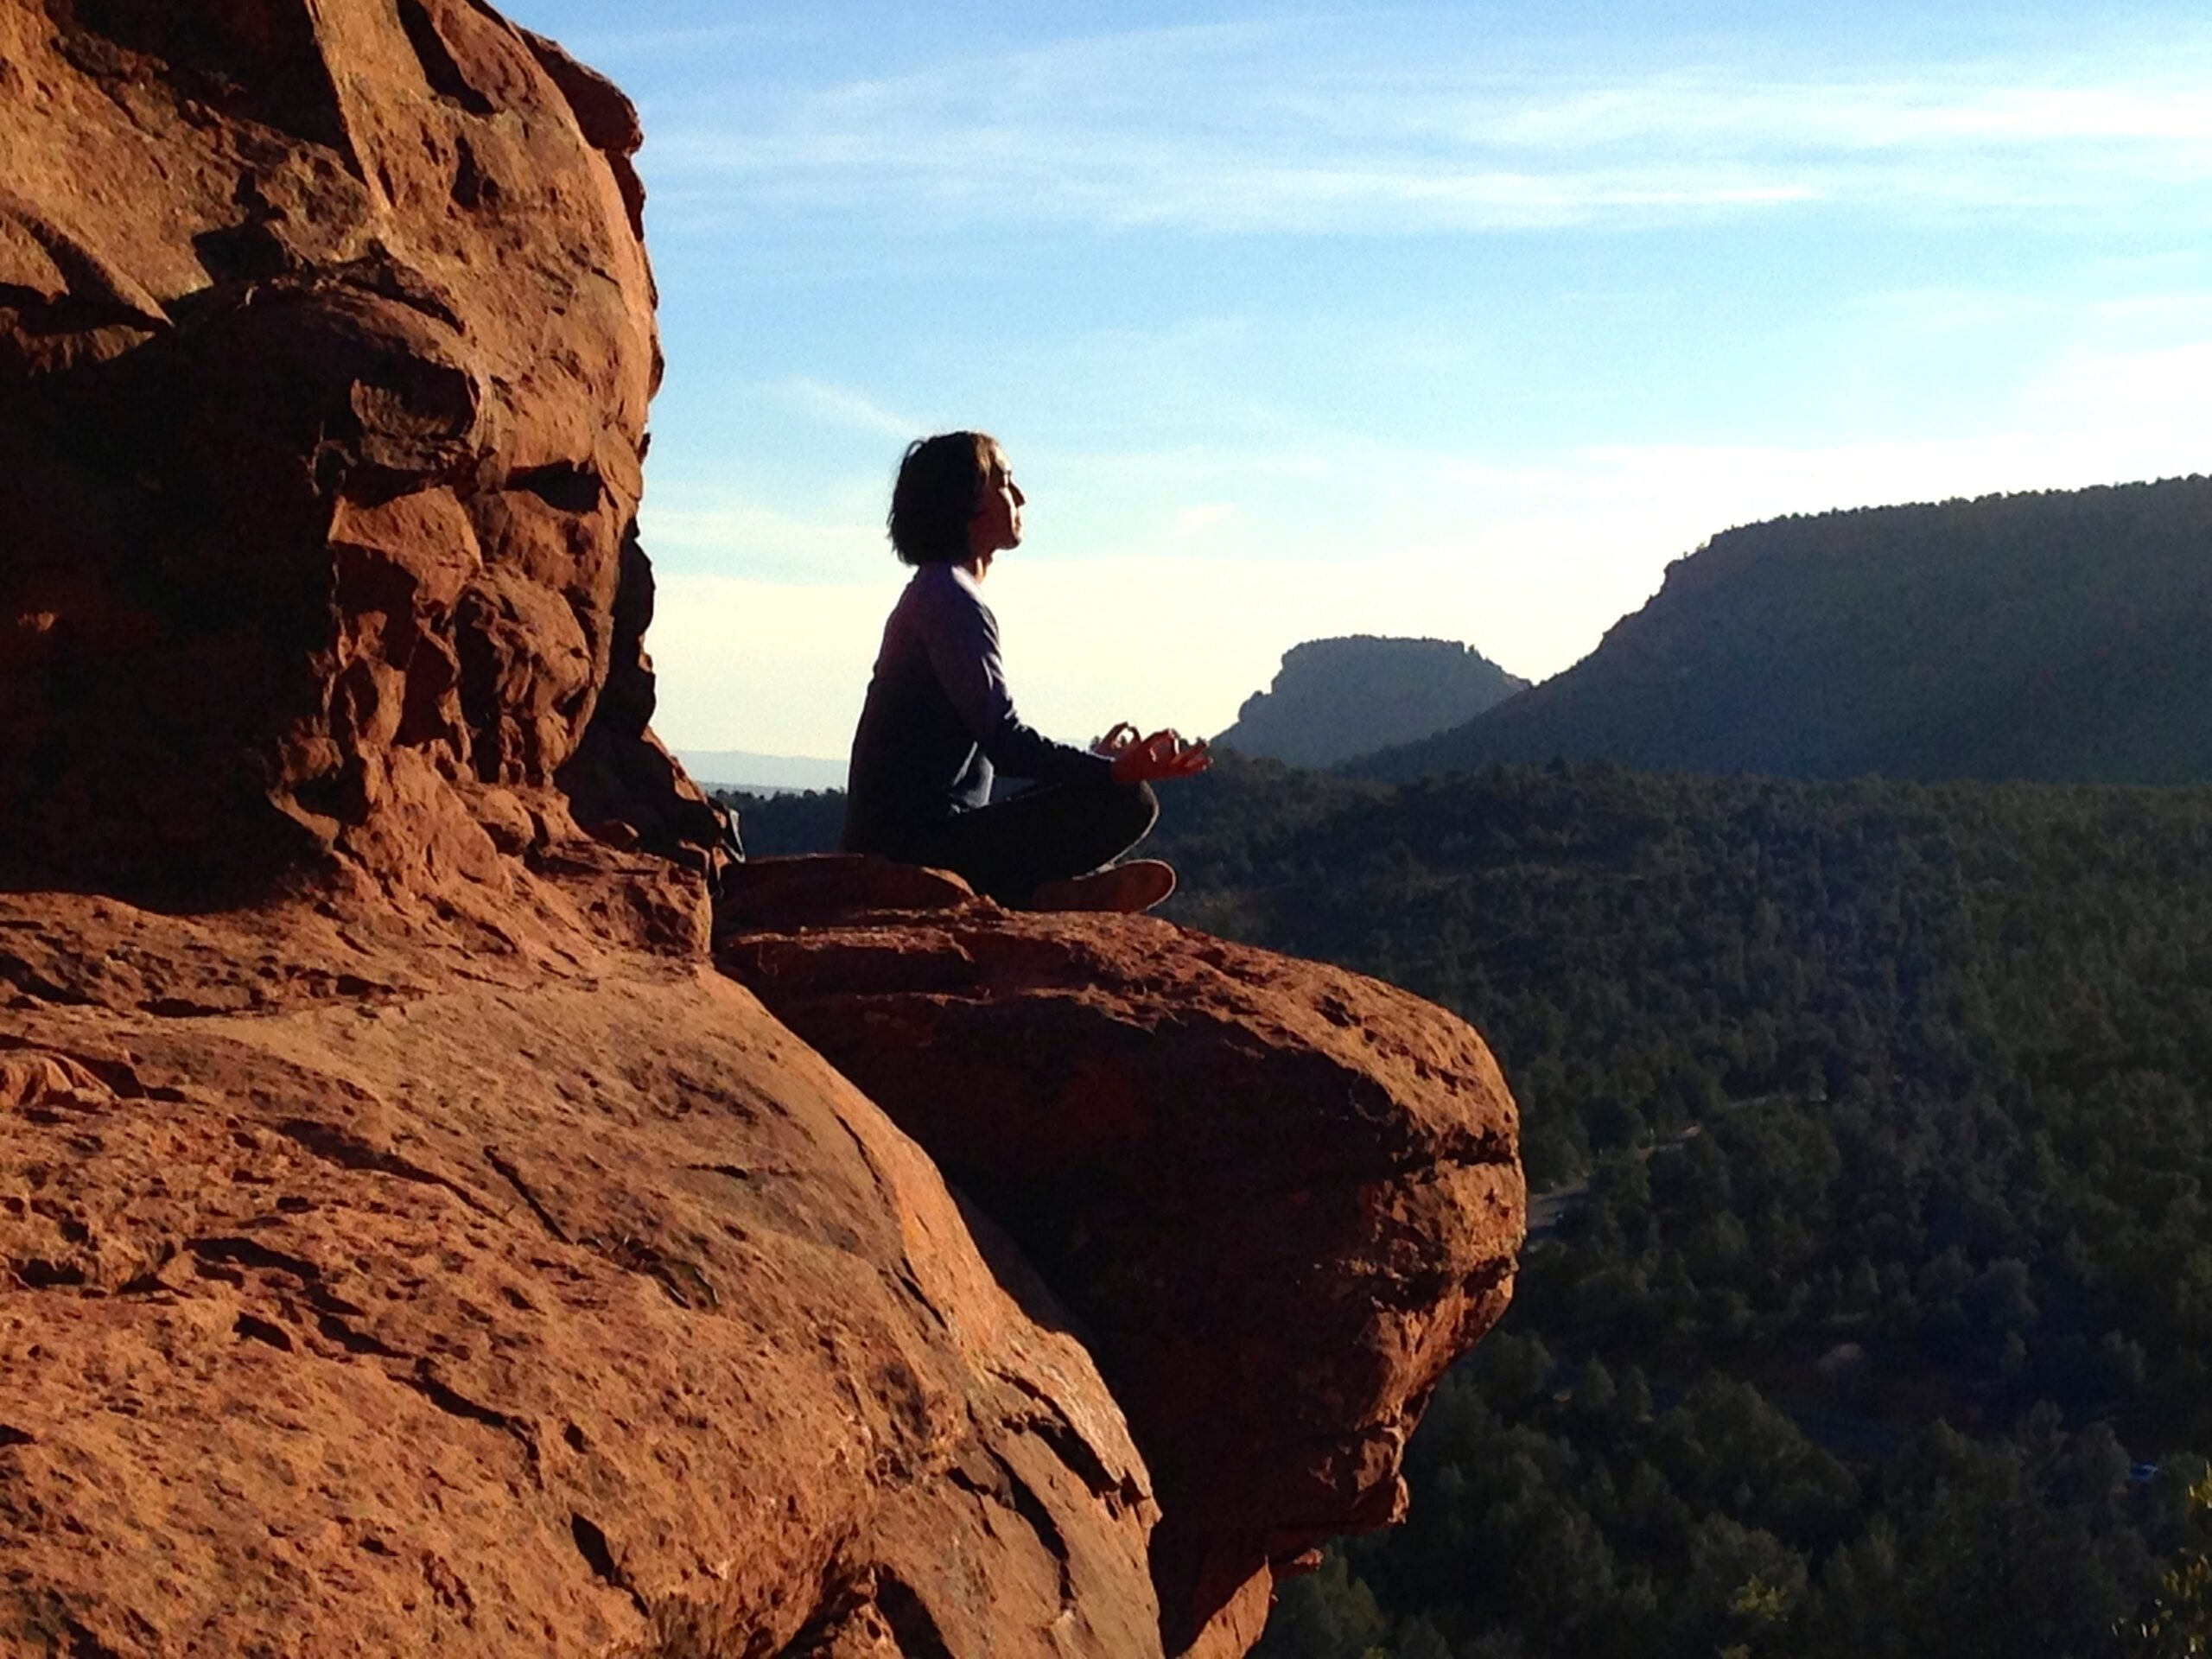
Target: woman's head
(950, 488)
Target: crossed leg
(1010, 849)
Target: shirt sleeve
(962, 637)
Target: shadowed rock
(1283, 1196)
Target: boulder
(1281, 1197)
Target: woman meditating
(940, 723)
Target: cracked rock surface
(454, 1302)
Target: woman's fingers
(1192, 758)
(1166, 753)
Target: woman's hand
(1115, 740)
(1164, 754)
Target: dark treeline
(779, 826)
(1867, 1305)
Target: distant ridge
(1336, 698)
(736, 769)
(2063, 636)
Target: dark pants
(1010, 849)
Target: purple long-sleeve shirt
(939, 722)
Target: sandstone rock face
(326, 340)
(409, 1242)
(363, 1294)
(1282, 1197)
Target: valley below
(1864, 1304)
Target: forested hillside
(1869, 1305)
(1336, 698)
(2060, 637)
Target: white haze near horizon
(1454, 323)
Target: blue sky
(1457, 321)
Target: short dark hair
(940, 486)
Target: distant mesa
(761, 773)
(1334, 699)
(2056, 637)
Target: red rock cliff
(325, 341)
(411, 1240)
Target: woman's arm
(962, 638)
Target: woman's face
(997, 524)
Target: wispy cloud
(1193, 524)
(1259, 127)
(834, 541)
(845, 406)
